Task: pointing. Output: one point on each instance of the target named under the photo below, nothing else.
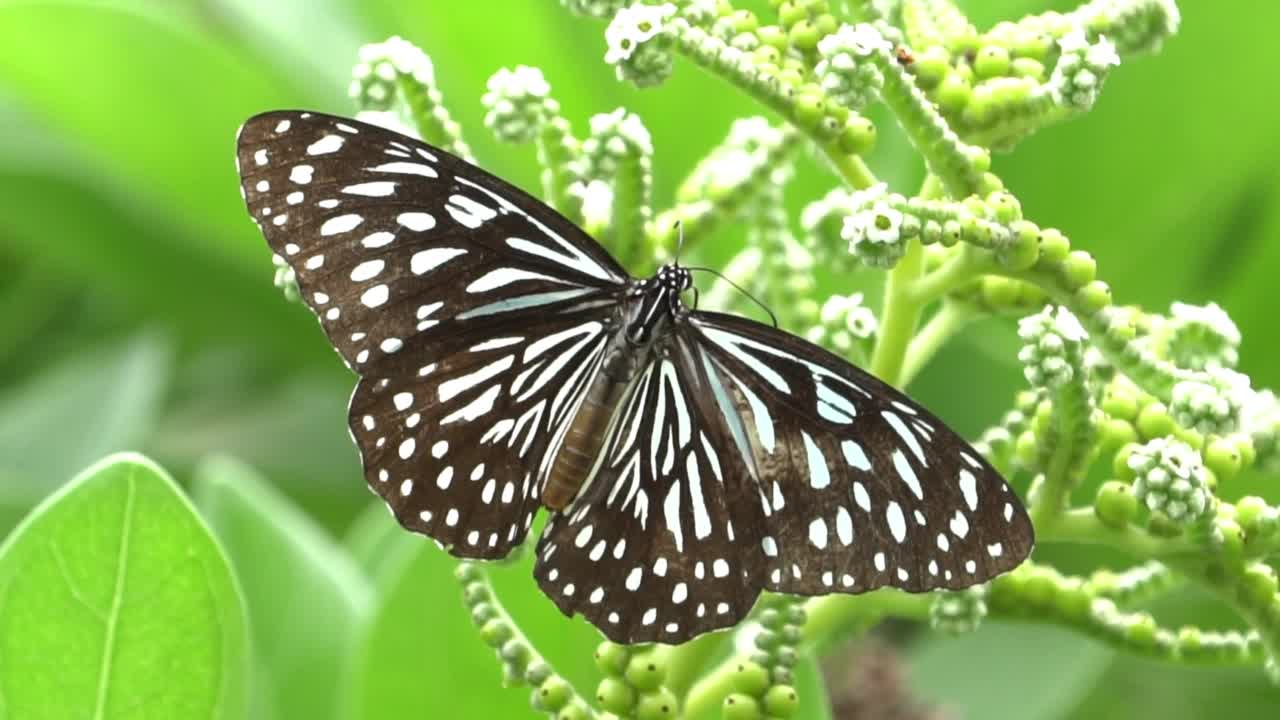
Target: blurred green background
(137, 311)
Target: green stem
(1153, 375)
(557, 150)
(1068, 444)
(1081, 526)
(430, 117)
(899, 316)
(706, 51)
(900, 312)
(949, 320)
(965, 266)
(632, 204)
(686, 662)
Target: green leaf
(1004, 670)
(372, 540)
(116, 602)
(156, 96)
(305, 595)
(99, 401)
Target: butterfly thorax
(649, 308)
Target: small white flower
(1103, 54)
(830, 205)
(388, 119)
(862, 198)
(633, 27)
(754, 131)
(1074, 42)
(884, 224)
(597, 202)
(861, 39)
(521, 82)
(1068, 327)
(1211, 316)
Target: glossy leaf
(116, 602)
(304, 594)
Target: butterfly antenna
(740, 289)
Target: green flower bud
(1079, 269)
(611, 658)
(738, 706)
(1093, 298)
(781, 701)
(646, 671)
(553, 694)
(615, 696)
(1054, 246)
(1115, 504)
(658, 704)
(496, 632)
(574, 711)
(750, 678)
(1154, 421)
(991, 60)
(1258, 585)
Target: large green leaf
(1004, 670)
(104, 400)
(166, 128)
(116, 602)
(305, 596)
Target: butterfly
(688, 459)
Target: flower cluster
(630, 51)
(1053, 347)
(373, 79)
(1201, 336)
(613, 136)
(848, 72)
(1204, 407)
(958, 612)
(877, 232)
(844, 324)
(1170, 478)
(1082, 67)
(518, 102)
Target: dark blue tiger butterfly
(689, 459)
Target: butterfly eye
(687, 465)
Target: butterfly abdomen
(586, 435)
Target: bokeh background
(137, 311)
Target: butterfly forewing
(859, 487)
(664, 542)
(474, 324)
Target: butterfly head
(675, 278)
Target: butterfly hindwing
(859, 486)
(663, 543)
(471, 311)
